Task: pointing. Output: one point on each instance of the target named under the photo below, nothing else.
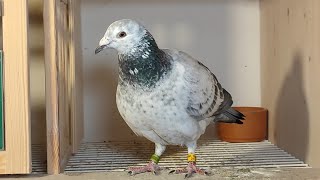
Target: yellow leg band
(192, 157)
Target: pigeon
(165, 95)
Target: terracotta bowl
(253, 129)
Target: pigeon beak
(103, 44)
(100, 48)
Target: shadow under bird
(165, 95)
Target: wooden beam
(16, 89)
(76, 80)
(63, 127)
(53, 145)
(63, 61)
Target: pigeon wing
(206, 96)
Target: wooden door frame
(16, 158)
(57, 159)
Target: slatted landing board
(117, 156)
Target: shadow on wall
(292, 114)
(38, 125)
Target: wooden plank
(3, 162)
(17, 156)
(65, 131)
(51, 56)
(76, 79)
(63, 78)
(290, 53)
(59, 147)
(1, 103)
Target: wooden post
(63, 93)
(53, 145)
(16, 159)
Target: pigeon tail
(230, 116)
(227, 113)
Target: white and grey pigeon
(165, 95)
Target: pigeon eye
(122, 34)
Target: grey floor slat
(39, 159)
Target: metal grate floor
(39, 159)
(117, 156)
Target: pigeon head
(122, 35)
(140, 60)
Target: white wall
(223, 34)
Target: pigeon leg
(191, 168)
(152, 166)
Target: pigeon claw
(130, 173)
(150, 167)
(188, 175)
(155, 172)
(190, 170)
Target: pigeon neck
(144, 65)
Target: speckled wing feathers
(206, 94)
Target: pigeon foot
(189, 170)
(150, 167)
